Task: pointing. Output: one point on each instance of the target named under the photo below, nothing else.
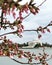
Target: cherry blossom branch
(23, 62)
(37, 6)
(23, 18)
(29, 63)
(26, 62)
(14, 32)
(20, 53)
(37, 30)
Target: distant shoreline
(34, 48)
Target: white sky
(32, 22)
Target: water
(8, 61)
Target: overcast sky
(32, 22)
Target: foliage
(43, 44)
(37, 45)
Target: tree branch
(50, 24)
(26, 16)
(23, 18)
(29, 63)
(1, 18)
(41, 3)
(37, 6)
(8, 33)
(15, 32)
(23, 62)
(26, 62)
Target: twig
(31, 30)
(8, 33)
(41, 3)
(23, 62)
(50, 24)
(1, 18)
(26, 62)
(37, 6)
(48, 59)
(26, 16)
(15, 32)
(29, 63)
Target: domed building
(31, 44)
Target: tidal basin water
(8, 61)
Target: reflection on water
(8, 61)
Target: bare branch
(1, 18)
(41, 3)
(8, 33)
(23, 62)
(26, 16)
(29, 63)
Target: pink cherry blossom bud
(48, 30)
(20, 56)
(39, 36)
(0, 27)
(42, 30)
(30, 60)
(4, 11)
(5, 3)
(14, 14)
(36, 58)
(11, 55)
(13, 8)
(33, 11)
(22, 26)
(8, 11)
